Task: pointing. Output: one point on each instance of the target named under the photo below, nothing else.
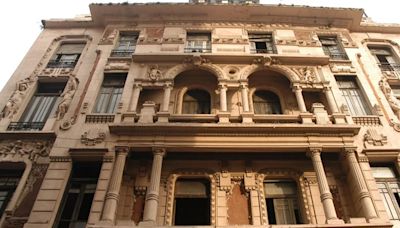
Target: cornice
(187, 129)
(39, 135)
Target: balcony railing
(61, 64)
(26, 126)
(262, 51)
(336, 55)
(197, 49)
(122, 53)
(390, 67)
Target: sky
(20, 21)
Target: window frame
(270, 47)
(203, 44)
(329, 49)
(130, 44)
(109, 95)
(63, 60)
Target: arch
(213, 69)
(285, 71)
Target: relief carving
(265, 61)
(92, 137)
(391, 98)
(306, 74)
(16, 98)
(196, 60)
(372, 137)
(67, 96)
(57, 72)
(30, 149)
(117, 65)
(154, 73)
(342, 68)
(108, 37)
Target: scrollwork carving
(92, 137)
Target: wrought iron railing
(197, 49)
(262, 51)
(390, 67)
(336, 55)
(25, 126)
(61, 64)
(122, 53)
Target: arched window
(266, 102)
(281, 201)
(192, 202)
(196, 101)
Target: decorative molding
(395, 125)
(154, 73)
(22, 148)
(37, 172)
(14, 102)
(306, 74)
(60, 159)
(109, 36)
(372, 137)
(93, 137)
(345, 68)
(57, 72)
(117, 65)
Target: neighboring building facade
(204, 115)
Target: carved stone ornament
(390, 97)
(342, 68)
(92, 137)
(265, 61)
(391, 74)
(196, 60)
(37, 172)
(30, 149)
(154, 73)
(119, 65)
(108, 36)
(57, 72)
(13, 104)
(396, 126)
(67, 96)
(306, 74)
(372, 137)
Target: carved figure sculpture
(67, 96)
(391, 98)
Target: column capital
(314, 151)
(159, 151)
(296, 87)
(243, 85)
(349, 150)
(137, 85)
(122, 149)
(168, 84)
(327, 88)
(222, 86)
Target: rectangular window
(66, 56)
(192, 202)
(9, 180)
(79, 195)
(281, 201)
(385, 59)
(40, 107)
(126, 44)
(389, 189)
(198, 42)
(353, 96)
(332, 48)
(262, 43)
(110, 93)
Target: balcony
(391, 69)
(197, 50)
(25, 126)
(262, 51)
(122, 53)
(61, 64)
(337, 55)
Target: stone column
(112, 195)
(167, 95)
(326, 195)
(135, 96)
(331, 100)
(299, 97)
(151, 201)
(359, 181)
(222, 98)
(245, 97)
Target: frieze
(117, 65)
(303, 43)
(173, 40)
(21, 149)
(306, 74)
(342, 68)
(230, 41)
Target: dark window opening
(110, 93)
(192, 202)
(79, 195)
(385, 59)
(281, 202)
(353, 96)
(198, 42)
(126, 44)
(66, 56)
(9, 180)
(262, 43)
(40, 107)
(332, 48)
(266, 102)
(196, 101)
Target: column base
(223, 117)
(147, 223)
(163, 117)
(334, 221)
(247, 117)
(306, 118)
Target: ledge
(234, 129)
(242, 58)
(42, 135)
